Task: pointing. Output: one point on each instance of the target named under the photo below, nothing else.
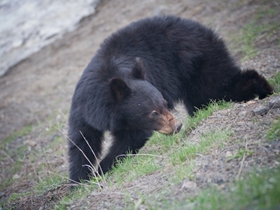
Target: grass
(251, 32)
(208, 141)
(15, 155)
(52, 181)
(241, 153)
(275, 82)
(20, 154)
(23, 132)
(12, 170)
(132, 168)
(274, 132)
(160, 153)
(16, 196)
(259, 190)
(176, 153)
(201, 114)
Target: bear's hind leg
(81, 163)
(125, 141)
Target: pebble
(242, 113)
(229, 154)
(189, 185)
(31, 143)
(16, 176)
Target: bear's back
(162, 35)
(178, 54)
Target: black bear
(137, 75)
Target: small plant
(275, 82)
(241, 153)
(274, 131)
(52, 181)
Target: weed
(274, 132)
(275, 82)
(241, 153)
(52, 181)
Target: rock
(16, 176)
(31, 143)
(2, 194)
(242, 113)
(189, 185)
(260, 110)
(251, 102)
(274, 103)
(229, 154)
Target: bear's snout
(169, 124)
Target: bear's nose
(178, 127)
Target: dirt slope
(40, 88)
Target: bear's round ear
(119, 89)
(138, 70)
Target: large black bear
(138, 74)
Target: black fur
(139, 67)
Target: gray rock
(274, 103)
(260, 110)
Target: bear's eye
(154, 113)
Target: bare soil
(38, 91)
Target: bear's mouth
(170, 127)
(167, 130)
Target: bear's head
(139, 105)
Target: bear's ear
(138, 70)
(119, 89)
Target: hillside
(232, 142)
